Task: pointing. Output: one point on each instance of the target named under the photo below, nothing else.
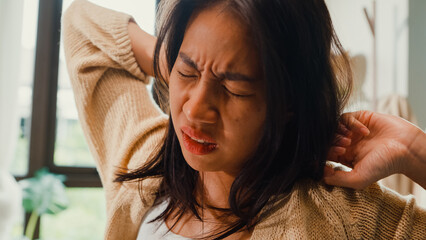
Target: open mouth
(200, 141)
(197, 142)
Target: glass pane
(18, 32)
(70, 147)
(85, 218)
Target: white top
(157, 230)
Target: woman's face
(217, 95)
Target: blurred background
(38, 119)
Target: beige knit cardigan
(123, 125)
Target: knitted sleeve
(120, 121)
(381, 213)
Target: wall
(10, 45)
(392, 44)
(10, 49)
(417, 59)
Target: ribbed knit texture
(123, 126)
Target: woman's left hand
(375, 146)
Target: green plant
(43, 194)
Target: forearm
(108, 85)
(417, 150)
(143, 45)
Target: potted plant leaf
(42, 194)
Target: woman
(254, 108)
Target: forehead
(217, 36)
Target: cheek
(247, 130)
(249, 119)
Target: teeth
(199, 141)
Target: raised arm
(143, 45)
(120, 121)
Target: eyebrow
(233, 76)
(188, 61)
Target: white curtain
(10, 52)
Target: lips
(197, 142)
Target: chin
(201, 163)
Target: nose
(200, 106)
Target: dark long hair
(307, 89)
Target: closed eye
(186, 75)
(235, 94)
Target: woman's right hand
(143, 45)
(389, 145)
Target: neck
(215, 187)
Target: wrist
(143, 45)
(417, 157)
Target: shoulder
(310, 210)
(315, 210)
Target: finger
(335, 152)
(343, 130)
(350, 179)
(353, 124)
(338, 150)
(342, 141)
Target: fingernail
(365, 131)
